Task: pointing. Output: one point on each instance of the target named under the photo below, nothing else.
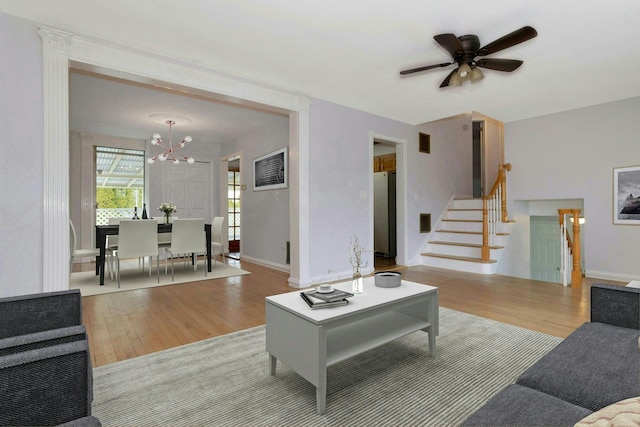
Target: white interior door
(189, 187)
(381, 212)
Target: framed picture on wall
(626, 195)
(270, 171)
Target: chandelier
(170, 150)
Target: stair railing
(566, 255)
(494, 211)
(570, 264)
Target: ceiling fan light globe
(176, 161)
(191, 160)
(187, 139)
(455, 80)
(162, 157)
(476, 75)
(464, 72)
(156, 136)
(151, 160)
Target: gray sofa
(596, 366)
(45, 366)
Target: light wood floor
(123, 325)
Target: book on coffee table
(334, 295)
(315, 303)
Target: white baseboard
(281, 267)
(608, 275)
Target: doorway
(149, 69)
(384, 204)
(478, 161)
(234, 187)
(545, 249)
(189, 187)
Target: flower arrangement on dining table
(167, 209)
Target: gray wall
(265, 214)
(340, 177)
(571, 155)
(21, 112)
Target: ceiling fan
(465, 49)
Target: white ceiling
(351, 51)
(106, 106)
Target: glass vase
(167, 217)
(357, 284)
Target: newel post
(576, 273)
(485, 231)
(503, 193)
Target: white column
(299, 272)
(55, 46)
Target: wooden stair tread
(470, 245)
(466, 210)
(463, 220)
(459, 258)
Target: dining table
(102, 231)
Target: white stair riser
(462, 251)
(502, 228)
(465, 215)
(467, 204)
(475, 239)
(451, 264)
(461, 226)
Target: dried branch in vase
(355, 253)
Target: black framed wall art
(626, 195)
(271, 170)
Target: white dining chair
(74, 251)
(187, 237)
(112, 242)
(217, 241)
(137, 239)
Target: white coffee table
(308, 341)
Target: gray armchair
(45, 365)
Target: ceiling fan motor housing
(471, 45)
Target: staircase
(456, 243)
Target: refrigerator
(384, 214)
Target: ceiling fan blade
(451, 43)
(499, 64)
(428, 67)
(511, 39)
(446, 81)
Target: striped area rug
(224, 381)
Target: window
(233, 201)
(119, 183)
